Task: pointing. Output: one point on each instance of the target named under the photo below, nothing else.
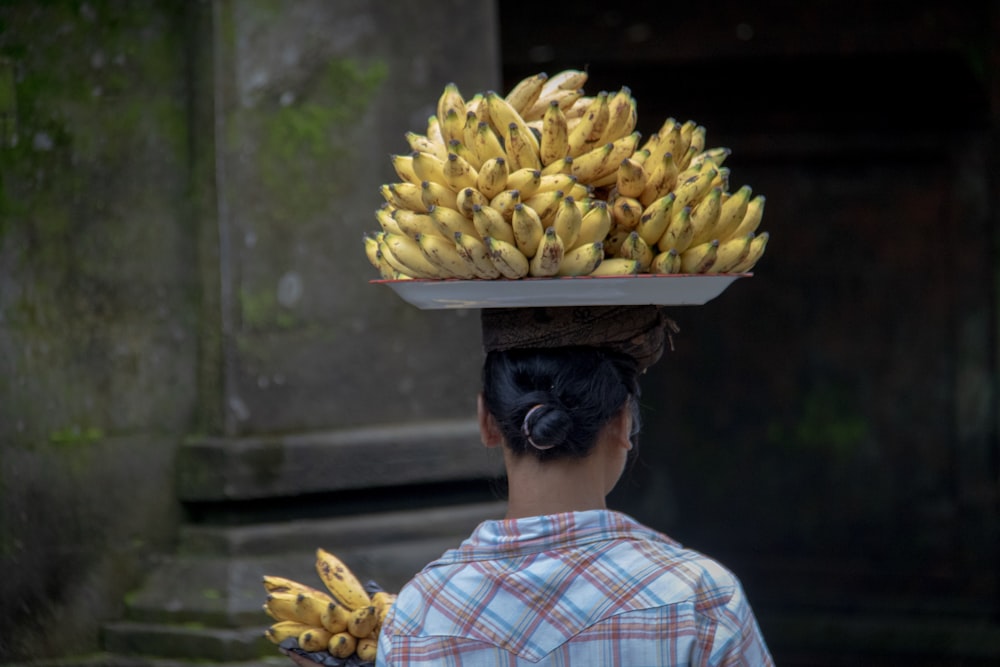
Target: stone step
(334, 534)
(204, 602)
(228, 469)
(125, 639)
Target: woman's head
(552, 403)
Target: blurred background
(200, 385)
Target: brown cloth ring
(641, 332)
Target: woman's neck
(552, 487)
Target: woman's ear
(624, 424)
(489, 430)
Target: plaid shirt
(592, 588)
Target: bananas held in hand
(343, 622)
(502, 169)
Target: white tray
(636, 290)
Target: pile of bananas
(547, 181)
(339, 628)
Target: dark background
(826, 428)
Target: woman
(563, 580)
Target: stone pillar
(311, 99)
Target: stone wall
(184, 190)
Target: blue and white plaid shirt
(593, 588)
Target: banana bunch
(547, 181)
(338, 626)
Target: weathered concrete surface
(184, 189)
(312, 101)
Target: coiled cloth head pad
(641, 332)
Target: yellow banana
(587, 131)
(468, 199)
(567, 222)
(505, 201)
(458, 173)
(474, 250)
(700, 258)
(412, 223)
(668, 261)
(503, 116)
(404, 195)
(367, 649)
(412, 262)
(633, 247)
(526, 92)
(449, 221)
(567, 79)
(613, 242)
(752, 216)
(582, 260)
(560, 166)
(486, 143)
(453, 125)
(665, 140)
(467, 152)
(661, 179)
(361, 622)
(690, 192)
(527, 228)
(731, 253)
(696, 140)
(344, 587)
(705, 217)
(631, 177)
(734, 207)
(546, 204)
(282, 630)
(716, 156)
(342, 645)
(561, 181)
(626, 211)
(334, 618)
(550, 252)
(603, 160)
(490, 222)
(679, 231)
(282, 607)
(555, 135)
(443, 253)
(314, 639)
(622, 116)
(450, 100)
(276, 584)
(420, 143)
(526, 180)
(685, 151)
(371, 249)
(510, 261)
(594, 224)
(616, 266)
(521, 147)
(433, 132)
(384, 215)
(721, 179)
(427, 167)
(757, 247)
(469, 130)
(492, 177)
(655, 219)
(403, 165)
(564, 98)
(383, 601)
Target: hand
(299, 660)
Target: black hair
(551, 403)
